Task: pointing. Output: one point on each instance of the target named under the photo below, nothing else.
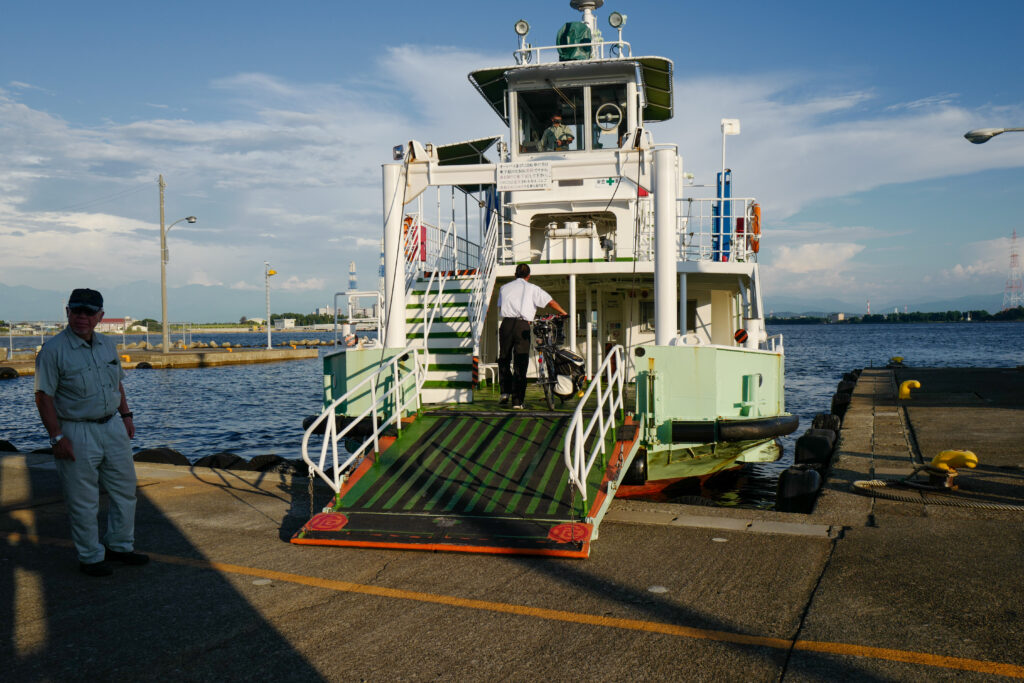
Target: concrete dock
(24, 364)
(864, 588)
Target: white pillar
(394, 272)
(572, 313)
(683, 322)
(665, 258)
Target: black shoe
(100, 568)
(504, 399)
(128, 557)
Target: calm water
(256, 409)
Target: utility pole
(163, 273)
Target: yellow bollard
(126, 358)
(952, 460)
(230, 350)
(906, 386)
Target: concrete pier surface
(861, 589)
(24, 364)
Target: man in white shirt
(518, 302)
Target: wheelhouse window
(551, 120)
(608, 113)
(559, 120)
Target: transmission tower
(1014, 294)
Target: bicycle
(560, 372)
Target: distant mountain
(784, 306)
(192, 303)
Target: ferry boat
(664, 299)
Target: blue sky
(270, 121)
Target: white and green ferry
(664, 299)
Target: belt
(99, 420)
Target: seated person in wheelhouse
(558, 137)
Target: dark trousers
(513, 357)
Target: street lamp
(985, 134)
(267, 272)
(164, 257)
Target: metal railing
(608, 383)
(702, 234)
(352, 320)
(707, 235)
(600, 49)
(385, 408)
(441, 269)
(483, 283)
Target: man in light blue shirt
(82, 404)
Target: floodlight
(522, 28)
(616, 20)
(191, 219)
(398, 152)
(983, 134)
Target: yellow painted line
(844, 649)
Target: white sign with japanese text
(524, 175)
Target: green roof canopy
(655, 74)
(468, 152)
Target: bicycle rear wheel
(549, 395)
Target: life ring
(406, 224)
(754, 236)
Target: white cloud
(198, 277)
(988, 259)
(793, 151)
(291, 172)
(809, 258)
(294, 284)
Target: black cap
(86, 298)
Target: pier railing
(393, 389)
(608, 385)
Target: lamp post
(267, 272)
(981, 135)
(164, 257)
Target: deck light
(398, 152)
(522, 28)
(616, 20)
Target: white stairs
(449, 339)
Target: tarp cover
(570, 34)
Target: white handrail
(439, 273)
(483, 283)
(608, 382)
(398, 400)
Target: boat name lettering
(524, 175)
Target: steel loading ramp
(487, 482)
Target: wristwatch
(55, 439)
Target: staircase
(438, 321)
